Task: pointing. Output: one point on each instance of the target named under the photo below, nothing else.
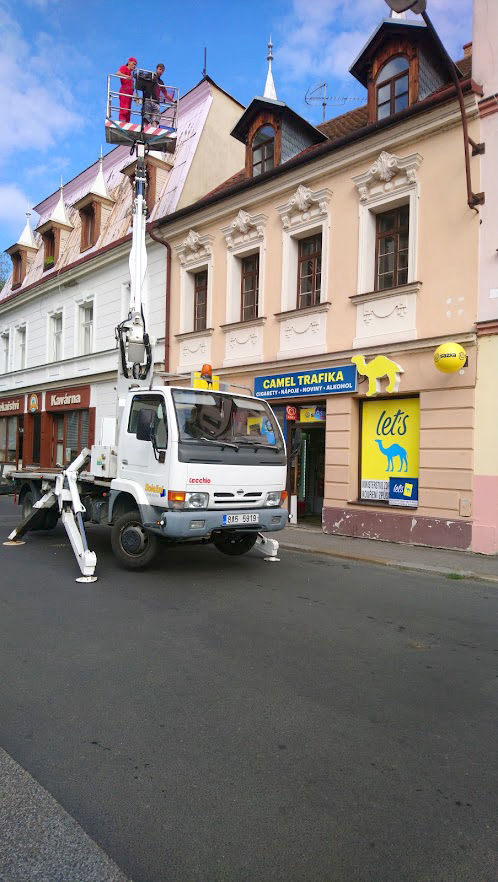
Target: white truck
(189, 465)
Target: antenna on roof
(319, 93)
(204, 70)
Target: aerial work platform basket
(147, 114)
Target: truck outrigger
(189, 465)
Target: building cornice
(467, 338)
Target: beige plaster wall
(447, 254)
(227, 155)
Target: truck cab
(194, 464)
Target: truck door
(138, 459)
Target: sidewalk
(40, 842)
(455, 564)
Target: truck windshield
(205, 416)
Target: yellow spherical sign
(450, 357)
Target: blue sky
(55, 55)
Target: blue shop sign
(314, 381)
(403, 491)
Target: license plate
(233, 519)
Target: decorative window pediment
(388, 174)
(305, 205)
(245, 230)
(194, 249)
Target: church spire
(270, 91)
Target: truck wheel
(235, 544)
(133, 547)
(27, 502)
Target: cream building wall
(419, 162)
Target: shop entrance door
(307, 473)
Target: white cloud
(320, 40)
(13, 205)
(41, 106)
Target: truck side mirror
(145, 425)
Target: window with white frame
(55, 343)
(21, 347)
(249, 287)
(305, 239)
(5, 351)
(86, 327)
(195, 256)
(245, 267)
(387, 246)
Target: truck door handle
(124, 461)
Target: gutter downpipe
(168, 297)
(473, 199)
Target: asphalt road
(228, 719)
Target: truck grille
(235, 500)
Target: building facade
(70, 286)
(323, 277)
(485, 526)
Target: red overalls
(125, 93)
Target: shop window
(200, 300)
(389, 449)
(263, 150)
(249, 287)
(309, 271)
(391, 253)
(8, 439)
(86, 328)
(392, 87)
(5, 352)
(21, 347)
(55, 345)
(70, 435)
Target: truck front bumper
(202, 522)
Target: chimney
(467, 49)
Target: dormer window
(88, 226)
(263, 150)
(18, 270)
(392, 87)
(49, 249)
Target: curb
(385, 562)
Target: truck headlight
(273, 498)
(196, 500)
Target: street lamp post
(419, 7)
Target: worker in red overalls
(125, 73)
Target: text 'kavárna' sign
(322, 381)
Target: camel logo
(376, 369)
(391, 452)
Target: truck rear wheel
(133, 547)
(46, 519)
(235, 544)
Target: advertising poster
(312, 414)
(390, 449)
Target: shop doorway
(307, 470)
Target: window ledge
(306, 310)
(191, 335)
(379, 503)
(410, 288)
(232, 326)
